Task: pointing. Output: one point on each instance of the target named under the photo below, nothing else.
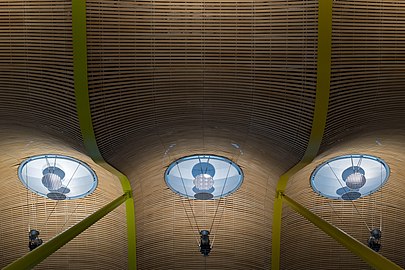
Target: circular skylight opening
(57, 177)
(350, 177)
(203, 177)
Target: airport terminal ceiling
(230, 79)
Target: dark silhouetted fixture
(34, 240)
(205, 246)
(374, 241)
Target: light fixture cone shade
(203, 182)
(350, 177)
(65, 179)
(356, 180)
(203, 177)
(52, 181)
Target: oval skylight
(350, 177)
(203, 177)
(57, 177)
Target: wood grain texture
(246, 65)
(36, 68)
(169, 79)
(388, 203)
(242, 228)
(368, 68)
(21, 209)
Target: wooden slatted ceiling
(165, 238)
(300, 239)
(237, 64)
(368, 68)
(173, 78)
(36, 69)
(102, 246)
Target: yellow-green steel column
(318, 122)
(371, 257)
(84, 114)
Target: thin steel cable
(222, 192)
(225, 200)
(334, 211)
(69, 216)
(54, 165)
(189, 220)
(73, 174)
(54, 207)
(337, 178)
(359, 163)
(28, 204)
(188, 199)
(47, 163)
(381, 199)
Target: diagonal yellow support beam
(84, 114)
(371, 257)
(37, 255)
(318, 122)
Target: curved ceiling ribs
(367, 82)
(172, 78)
(158, 65)
(36, 68)
(235, 78)
(368, 69)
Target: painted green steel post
(318, 122)
(42, 252)
(79, 33)
(371, 257)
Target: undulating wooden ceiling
(169, 79)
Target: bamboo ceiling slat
(204, 48)
(367, 68)
(386, 204)
(36, 69)
(22, 209)
(161, 215)
(173, 78)
(201, 76)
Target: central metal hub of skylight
(203, 177)
(350, 177)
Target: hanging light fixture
(205, 246)
(34, 240)
(57, 177)
(374, 241)
(203, 182)
(350, 177)
(203, 177)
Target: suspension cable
(188, 199)
(337, 178)
(381, 201)
(57, 202)
(220, 198)
(28, 204)
(69, 216)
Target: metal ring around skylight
(203, 177)
(350, 177)
(57, 177)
